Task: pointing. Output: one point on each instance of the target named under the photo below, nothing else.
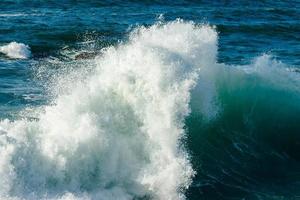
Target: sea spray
(118, 134)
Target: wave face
(243, 131)
(119, 133)
(16, 50)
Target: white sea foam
(117, 134)
(16, 50)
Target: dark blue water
(249, 151)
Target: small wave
(16, 50)
(17, 14)
(12, 15)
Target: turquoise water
(149, 100)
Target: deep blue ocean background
(233, 158)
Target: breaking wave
(117, 129)
(119, 133)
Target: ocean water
(163, 100)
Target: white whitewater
(16, 50)
(118, 134)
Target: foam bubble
(16, 50)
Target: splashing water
(118, 134)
